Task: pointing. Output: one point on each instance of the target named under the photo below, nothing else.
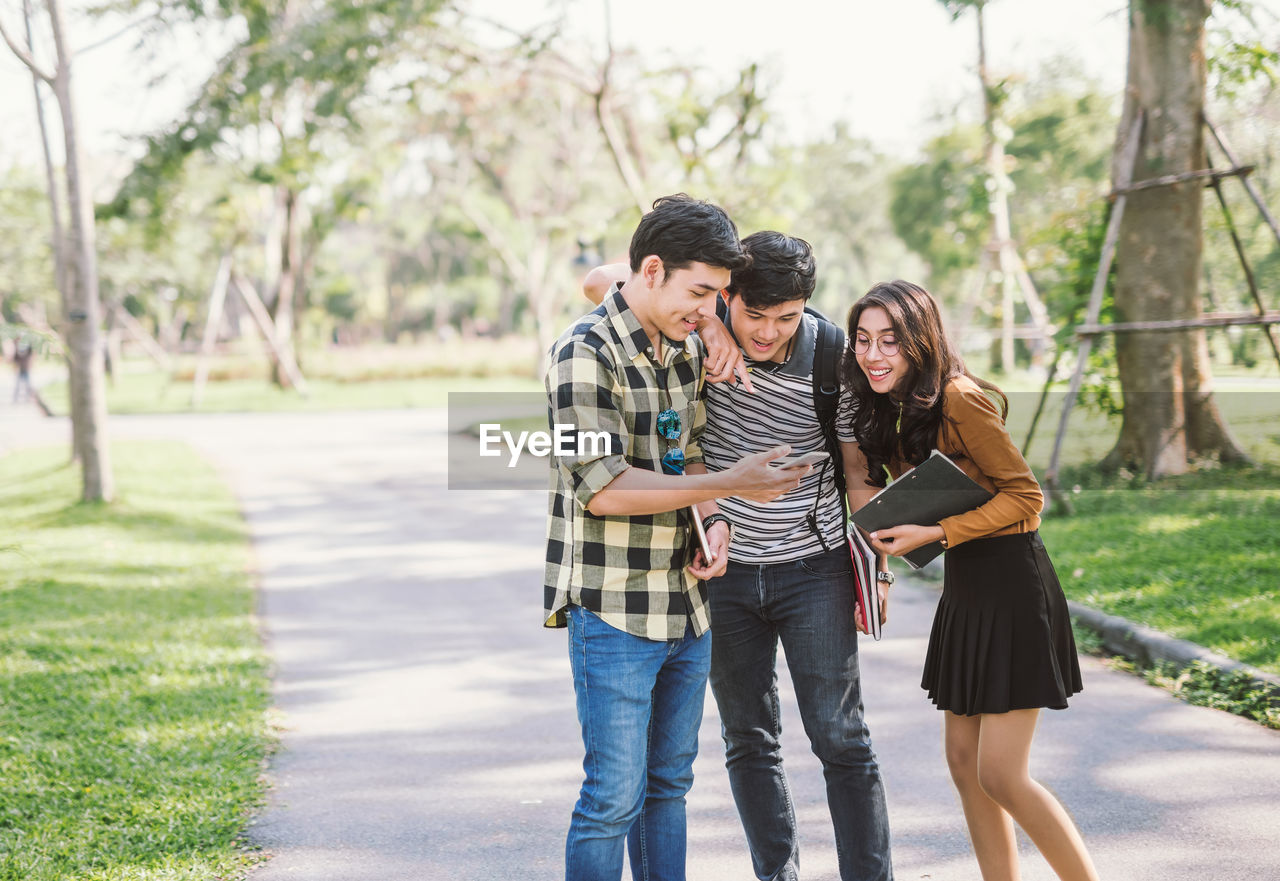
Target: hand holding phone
(703, 544)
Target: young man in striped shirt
(620, 574)
(788, 579)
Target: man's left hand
(718, 540)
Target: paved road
(428, 728)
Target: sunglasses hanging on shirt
(669, 427)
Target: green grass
(155, 393)
(1207, 685)
(1194, 556)
(133, 687)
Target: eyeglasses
(888, 347)
(668, 425)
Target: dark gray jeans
(808, 604)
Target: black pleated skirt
(1001, 636)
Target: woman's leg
(1004, 750)
(990, 827)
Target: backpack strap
(826, 357)
(828, 348)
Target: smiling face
(683, 299)
(764, 331)
(885, 370)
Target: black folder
(933, 490)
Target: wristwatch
(885, 576)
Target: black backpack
(827, 351)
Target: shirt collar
(635, 342)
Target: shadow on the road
(431, 733)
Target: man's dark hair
(782, 269)
(682, 230)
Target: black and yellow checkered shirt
(629, 570)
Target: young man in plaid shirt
(621, 573)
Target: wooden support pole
(1208, 319)
(1044, 397)
(1126, 169)
(1007, 286)
(1167, 180)
(1031, 332)
(1248, 186)
(144, 339)
(970, 303)
(217, 299)
(1244, 264)
(282, 353)
(1039, 314)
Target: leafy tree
(76, 255)
(1241, 53)
(479, 136)
(27, 290)
(1244, 104)
(837, 196)
(939, 206)
(161, 271)
(1060, 132)
(277, 101)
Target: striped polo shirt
(780, 411)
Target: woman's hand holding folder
(898, 541)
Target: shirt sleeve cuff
(693, 455)
(950, 535)
(594, 476)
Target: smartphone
(797, 460)
(707, 557)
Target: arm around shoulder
(595, 287)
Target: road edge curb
(1146, 646)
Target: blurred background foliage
(416, 174)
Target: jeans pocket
(832, 564)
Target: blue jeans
(639, 705)
(808, 604)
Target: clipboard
(932, 491)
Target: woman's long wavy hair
(931, 363)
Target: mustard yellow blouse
(974, 436)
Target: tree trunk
(393, 320)
(282, 310)
(1170, 418)
(58, 235)
(997, 206)
(84, 316)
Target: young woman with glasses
(1001, 648)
